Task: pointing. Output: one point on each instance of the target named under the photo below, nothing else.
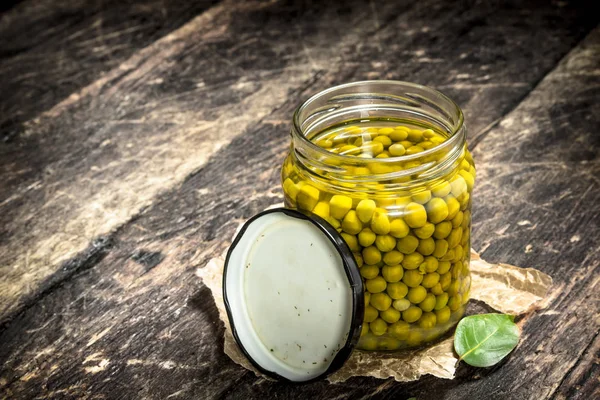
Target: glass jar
(386, 164)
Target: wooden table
(137, 135)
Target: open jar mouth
(367, 100)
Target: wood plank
(153, 323)
(537, 205)
(583, 382)
(105, 152)
(49, 49)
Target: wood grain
(50, 49)
(132, 321)
(538, 198)
(583, 380)
(105, 152)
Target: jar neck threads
(384, 101)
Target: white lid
(293, 295)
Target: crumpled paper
(506, 288)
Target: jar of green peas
(385, 163)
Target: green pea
(370, 314)
(385, 243)
(392, 273)
(351, 241)
(412, 278)
(307, 197)
(322, 209)
(373, 148)
(426, 246)
(466, 222)
(441, 247)
(388, 343)
(458, 253)
(390, 315)
(399, 330)
(442, 230)
(455, 302)
(393, 257)
(427, 320)
(351, 224)
(376, 285)
(453, 208)
(412, 314)
(290, 188)
(414, 150)
(383, 203)
(406, 144)
(384, 140)
(380, 223)
(425, 231)
(381, 301)
(441, 190)
(378, 327)
(399, 135)
(416, 294)
(401, 304)
(396, 150)
(458, 185)
(399, 228)
(369, 271)
(437, 210)
(415, 135)
(449, 256)
(466, 269)
(445, 280)
(430, 280)
(441, 301)
(428, 303)
(365, 210)
(437, 289)
(364, 330)
(371, 255)
(414, 338)
(443, 267)
(339, 205)
(416, 216)
(412, 260)
(407, 244)
(397, 290)
(368, 342)
(454, 288)
(334, 222)
(366, 237)
(359, 259)
(457, 269)
(443, 315)
(429, 264)
(422, 197)
(456, 221)
(454, 237)
(427, 145)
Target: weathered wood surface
(141, 176)
(105, 152)
(50, 49)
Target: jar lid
(293, 295)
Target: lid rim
(352, 273)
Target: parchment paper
(506, 288)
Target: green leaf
(484, 340)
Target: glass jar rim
(297, 130)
